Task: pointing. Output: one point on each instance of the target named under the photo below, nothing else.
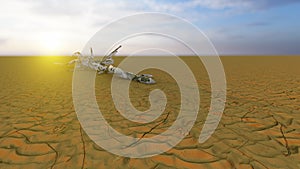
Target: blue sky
(236, 27)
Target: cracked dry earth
(260, 127)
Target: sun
(51, 44)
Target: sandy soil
(260, 127)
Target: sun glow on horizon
(51, 44)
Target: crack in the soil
(26, 138)
(83, 147)
(242, 145)
(56, 152)
(15, 130)
(147, 132)
(283, 136)
(56, 155)
(243, 153)
(244, 116)
(281, 126)
(251, 158)
(285, 140)
(39, 123)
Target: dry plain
(260, 127)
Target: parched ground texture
(260, 127)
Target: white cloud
(221, 4)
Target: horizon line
(227, 55)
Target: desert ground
(260, 126)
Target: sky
(235, 27)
